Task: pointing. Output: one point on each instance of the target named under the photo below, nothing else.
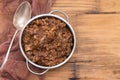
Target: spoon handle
(8, 51)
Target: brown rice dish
(47, 41)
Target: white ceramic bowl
(58, 65)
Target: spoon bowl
(22, 15)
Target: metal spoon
(21, 16)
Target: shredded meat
(47, 41)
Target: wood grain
(97, 27)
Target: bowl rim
(48, 67)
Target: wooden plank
(77, 5)
(98, 39)
(78, 71)
(109, 5)
(98, 72)
(73, 1)
(61, 73)
(88, 5)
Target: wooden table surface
(97, 27)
